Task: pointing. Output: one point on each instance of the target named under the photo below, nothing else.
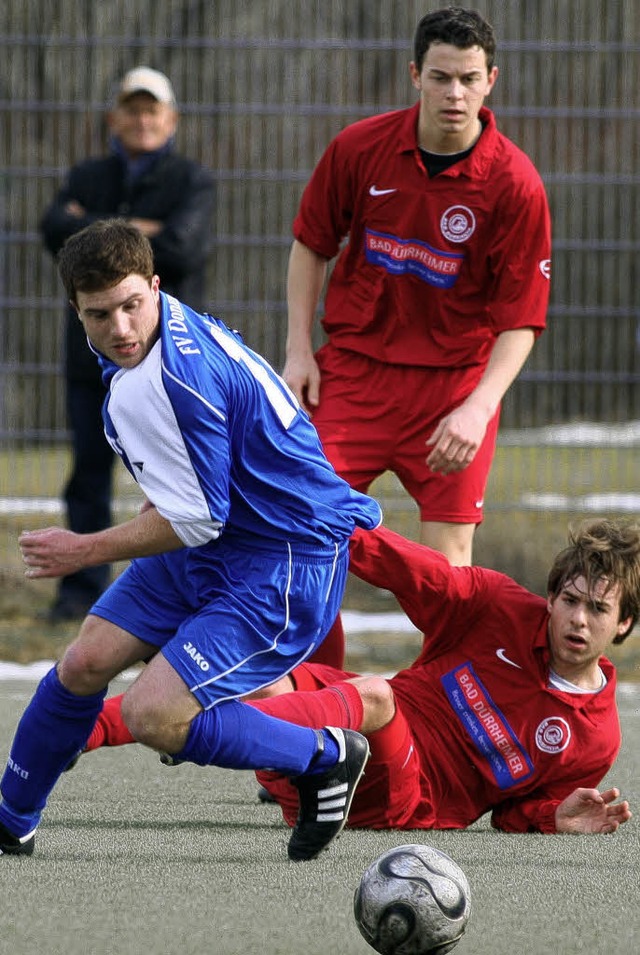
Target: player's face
(453, 85)
(142, 124)
(582, 624)
(122, 322)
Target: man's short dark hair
(102, 255)
(458, 27)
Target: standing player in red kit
(436, 298)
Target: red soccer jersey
(489, 730)
(434, 269)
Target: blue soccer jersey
(217, 441)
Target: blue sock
(238, 736)
(53, 729)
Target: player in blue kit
(239, 556)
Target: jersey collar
(477, 165)
(597, 706)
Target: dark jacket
(175, 190)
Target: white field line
(589, 503)
(34, 672)
(579, 434)
(13, 506)
(353, 621)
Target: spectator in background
(170, 199)
(437, 296)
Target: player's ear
(491, 79)
(623, 626)
(414, 73)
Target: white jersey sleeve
(156, 453)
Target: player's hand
(457, 438)
(148, 227)
(302, 375)
(73, 208)
(54, 552)
(588, 810)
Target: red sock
(389, 739)
(337, 705)
(110, 728)
(331, 650)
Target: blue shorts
(230, 617)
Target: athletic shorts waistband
(309, 553)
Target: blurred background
(263, 86)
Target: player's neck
(448, 144)
(589, 678)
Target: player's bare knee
(153, 721)
(81, 670)
(144, 718)
(377, 700)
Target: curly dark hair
(458, 27)
(102, 255)
(603, 549)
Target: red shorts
(389, 795)
(375, 417)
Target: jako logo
(22, 773)
(196, 656)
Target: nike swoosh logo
(501, 655)
(373, 191)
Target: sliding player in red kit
(510, 706)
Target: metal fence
(263, 85)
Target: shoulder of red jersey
(517, 165)
(365, 132)
(516, 168)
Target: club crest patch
(553, 735)
(458, 223)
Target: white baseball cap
(145, 80)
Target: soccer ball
(413, 900)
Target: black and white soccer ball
(413, 900)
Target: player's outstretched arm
(588, 810)
(56, 552)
